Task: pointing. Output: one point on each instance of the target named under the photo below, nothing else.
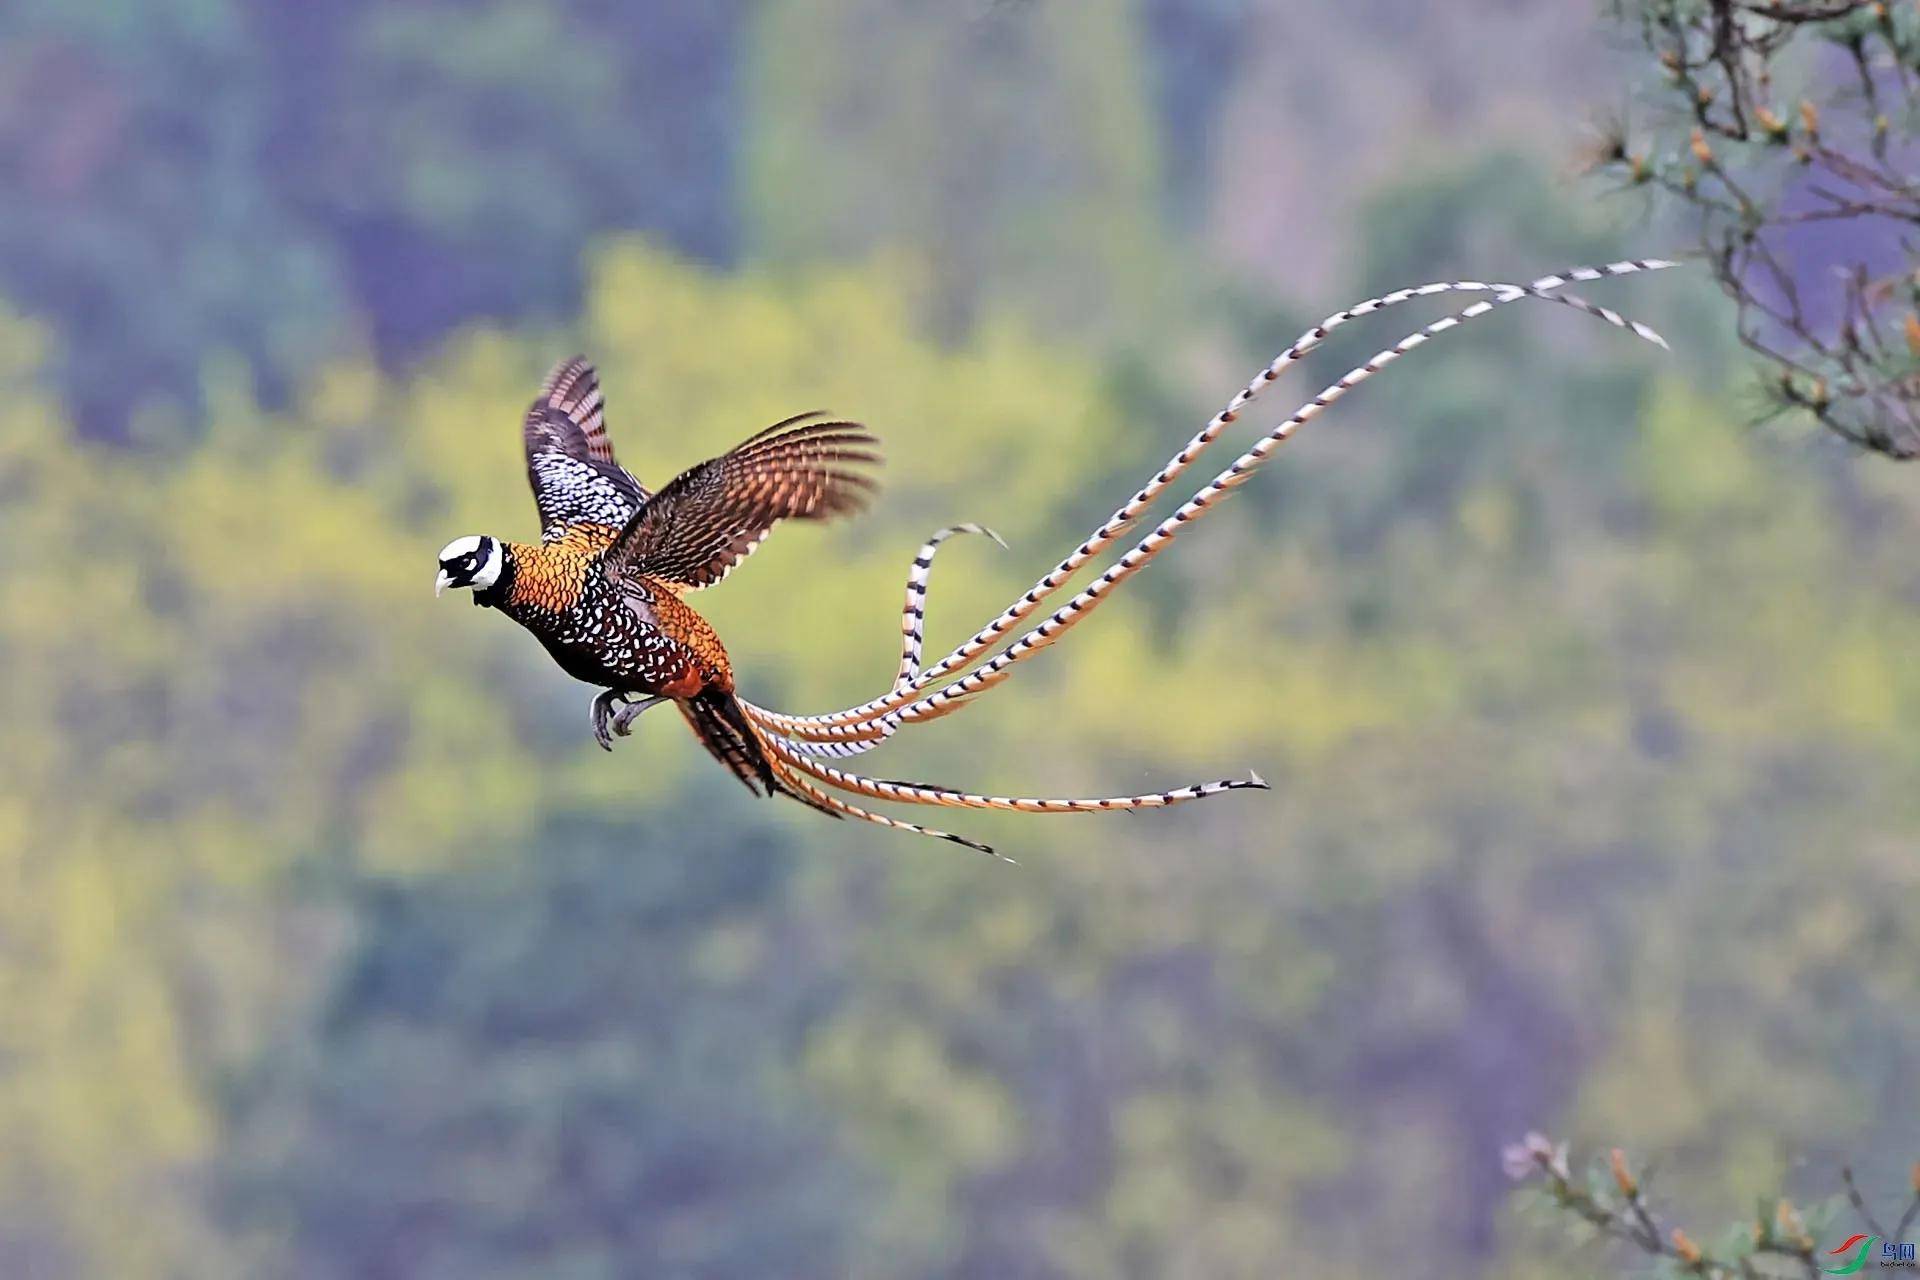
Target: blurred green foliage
(1017, 155)
(332, 947)
(285, 182)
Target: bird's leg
(602, 713)
(624, 718)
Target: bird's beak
(440, 583)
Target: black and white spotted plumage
(617, 633)
(570, 463)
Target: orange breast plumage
(552, 576)
(633, 634)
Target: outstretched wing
(570, 461)
(711, 517)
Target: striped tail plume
(720, 723)
(766, 766)
(803, 778)
(906, 703)
(811, 795)
(913, 617)
(912, 629)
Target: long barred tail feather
(904, 709)
(1063, 619)
(781, 745)
(796, 785)
(830, 749)
(912, 632)
(718, 720)
(914, 616)
(839, 742)
(1076, 609)
(1124, 518)
(759, 761)
(948, 797)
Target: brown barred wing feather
(570, 463)
(573, 388)
(712, 516)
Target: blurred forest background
(330, 945)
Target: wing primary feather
(715, 514)
(781, 425)
(571, 465)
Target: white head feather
(473, 561)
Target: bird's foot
(602, 716)
(624, 718)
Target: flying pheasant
(602, 588)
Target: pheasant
(602, 589)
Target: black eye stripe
(468, 565)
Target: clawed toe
(624, 718)
(608, 723)
(601, 711)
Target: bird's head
(474, 561)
